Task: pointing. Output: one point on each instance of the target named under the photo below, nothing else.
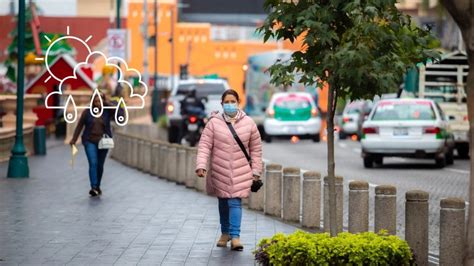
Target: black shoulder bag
(256, 184)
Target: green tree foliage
(364, 46)
(59, 48)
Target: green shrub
(302, 248)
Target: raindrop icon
(96, 111)
(70, 110)
(121, 118)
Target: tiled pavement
(49, 219)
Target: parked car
(415, 128)
(353, 116)
(209, 90)
(292, 114)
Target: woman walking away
(94, 130)
(232, 170)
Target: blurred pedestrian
(94, 131)
(233, 167)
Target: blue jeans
(230, 212)
(96, 160)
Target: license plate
(192, 127)
(293, 130)
(400, 131)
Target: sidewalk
(50, 219)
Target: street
(405, 174)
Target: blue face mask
(230, 109)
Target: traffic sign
(117, 43)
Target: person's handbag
(256, 184)
(106, 142)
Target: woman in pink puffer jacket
(231, 175)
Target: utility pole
(171, 40)
(119, 4)
(18, 164)
(146, 77)
(155, 97)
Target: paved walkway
(50, 219)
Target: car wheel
(342, 135)
(450, 157)
(463, 151)
(368, 162)
(441, 162)
(379, 161)
(268, 139)
(173, 134)
(317, 138)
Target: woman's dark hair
(230, 92)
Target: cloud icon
(121, 118)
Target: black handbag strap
(236, 137)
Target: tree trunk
(462, 12)
(331, 162)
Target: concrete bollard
(416, 224)
(181, 166)
(163, 161)
(147, 156)
(171, 166)
(155, 153)
(273, 190)
(385, 217)
(190, 180)
(200, 182)
(452, 231)
(120, 152)
(141, 155)
(256, 199)
(134, 153)
(129, 151)
(291, 194)
(358, 206)
(115, 153)
(339, 203)
(311, 200)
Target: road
(405, 174)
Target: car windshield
(396, 111)
(353, 109)
(202, 89)
(292, 102)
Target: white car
(209, 89)
(415, 128)
(292, 114)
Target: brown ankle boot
(222, 242)
(235, 244)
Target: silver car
(415, 128)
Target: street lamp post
(155, 98)
(18, 164)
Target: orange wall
(225, 58)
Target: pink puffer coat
(230, 175)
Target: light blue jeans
(96, 159)
(230, 212)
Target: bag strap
(236, 137)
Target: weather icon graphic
(118, 64)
